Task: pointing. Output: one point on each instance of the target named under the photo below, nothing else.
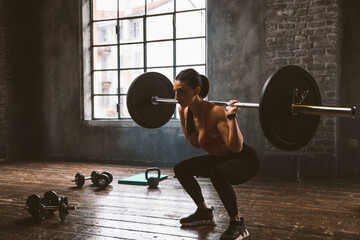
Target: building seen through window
(130, 37)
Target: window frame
(88, 113)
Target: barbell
(289, 108)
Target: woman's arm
(229, 128)
(182, 119)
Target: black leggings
(223, 171)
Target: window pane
(104, 32)
(124, 113)
(131, 30)
(105, 82)
(118, 50)
(105, 106)
(128, 8)
(199, 69)
(105, 57)
(160, 27)
(104, 9)
(168, 72)
(160, 6)
(187, 5)
(190, 24)
(190, 51)
(160, 54)
(131, 56)
(127, 77)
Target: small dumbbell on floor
(80, 178)
(101, 180)
(40, 206)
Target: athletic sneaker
(199, 217)
(235, 231)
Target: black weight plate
(53, 199)
(35, 206)
(107, 173)
(139, 104)
(94, 177)
(79, 179)
(63, 209)
(103, 181)
(280, 127)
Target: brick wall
(2, 84)
(20, 82)
(306, 33)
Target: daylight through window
(130, 37)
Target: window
(130, 37)
(135, 29)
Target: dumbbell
(60, 203)
(101, 180)
(80, 178)
(40, 206)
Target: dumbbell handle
(57, 208)
(54, 207)
(74, 180)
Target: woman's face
(184, 94)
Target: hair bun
(204, 86)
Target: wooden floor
(273, 208)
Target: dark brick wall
(40, 76)
(20, 83)
(306, 33)
(349, 129)
(2, 83)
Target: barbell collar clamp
(347, 112)
(154, 100)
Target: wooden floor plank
(273, 208)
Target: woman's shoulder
(216, 111)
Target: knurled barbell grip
(155, 100)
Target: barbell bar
(348, 112)
(155, 100)
(288, 121)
